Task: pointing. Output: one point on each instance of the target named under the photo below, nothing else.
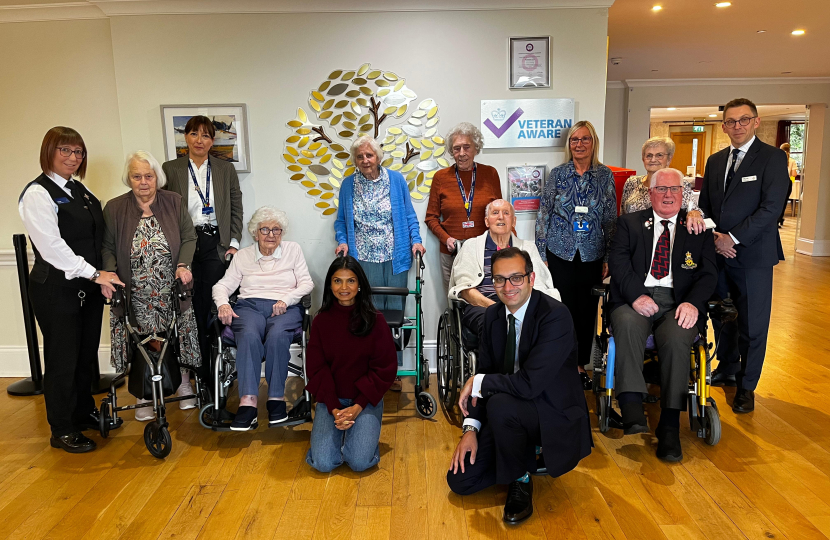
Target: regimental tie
(731, 174)
(662, 253)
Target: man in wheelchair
(661, 280)
(471, 280)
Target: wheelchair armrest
(600, 290)
(305, 301)
(391, 291)
(721, 310)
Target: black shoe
(519, 505)
(668, 444)
(635, 428)
(245, 419)
(541, 468)
(744, 401)
(587, 381)
(276, 412)
(720, 378)
(74, 443)
(90, 421)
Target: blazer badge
(648, 223)
(688, 264)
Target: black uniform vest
(81, 228)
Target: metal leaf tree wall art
(348, 105)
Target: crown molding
(101, 9)
(635, 83)
(615, 84)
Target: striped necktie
(660, 264)
(731, 174)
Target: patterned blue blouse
(565, 190)
(374, 238)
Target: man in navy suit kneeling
(526, 392)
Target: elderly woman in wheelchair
(272, 278)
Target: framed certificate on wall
(525, 184)
(529, 62)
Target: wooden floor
(768, 478)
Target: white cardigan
(468, 268)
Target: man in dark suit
(744, 188)
(661, 279)
(526, 393)
(210, 188)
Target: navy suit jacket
(750, 208)
(547, 376)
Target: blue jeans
(357, 446)
(257, 335)
(380, 275)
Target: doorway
(688, 151)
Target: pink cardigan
(285, 279)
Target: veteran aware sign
(512, 123)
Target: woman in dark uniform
(66, 228)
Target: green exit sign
(697, 129)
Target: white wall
(272, 61)
(616, 117)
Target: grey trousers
(631, 330)
(446, 269)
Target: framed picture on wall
(230, 122)
(525, 184)
(529, 62)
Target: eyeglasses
(265, 231)
(515, 280)
(743, 121)
(576, 140)
(138, 177)
(655, 156)
(66, 152)
(663, 189)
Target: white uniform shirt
(194, 201)
(667, 281)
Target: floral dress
(635, 196)
(153, 275)
(373, 227)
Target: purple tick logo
(499, 131)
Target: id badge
(582, 226)
(207, 210)
(468, 224)
(581, 209)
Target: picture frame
(231, 123)
(529, 62)
(525, 184)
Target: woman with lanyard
(66, 228)
(574, 227)
(210, 188)
(479, 185)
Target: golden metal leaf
(365, 118)
(335, 74)
(387, 162)
(295, 123)
(334, 121)
(307, 183)
(314, 192)
(365, 128)
(412, 175)
(346, 134)
(311, 176)
(399, 85)
(304, 131)
(363, 69)
(418, 114)
(303, 142)
(302, 115)
(427, 143)
(325, 158)
(367, 91)
(350, 115)
(373, 74)
(297, 177)
(356, 108)
(432, 112)
(322, 205)
(337, 147)
(430, 132)
(389, 110)
(352, 93)
(348, 171)
(424, 189)
(401, 111)
(342, 155)
(326, 186)
(398, 154)
(289, 158)
(346, 76)
(321, 151)
(428, 182)
(318, 169)
(389, 147)
(401, 139)
(432, 122)
(338, 163)
(408, 167)
(417, 196)
(327, 105)
(438, 140)
(325, 114)
(396, 166)
(362, 102)
(388, 139)
(442, 162)
(323, 86)
(439, 151)
(342, 103)
(307, 154)
(330, 211)
(389, 76)
(334, 182)
(304, 161)
(295, 168)
(411, 186)
(336, 204)
(425, 155)
(337, 89)
(337, 173)
(415, 142)
(317, 95)
(420, 178)
(426, 104)
(314, 146)
(430, 174)
(349, 125)
(381, 82)
(292, 139)
(358, 81)
(395, 130)
(292, 150)
(328, 195)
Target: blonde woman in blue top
(574, 227)
(376, 224)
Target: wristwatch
(182, 265)
(468, 428)
(95, 276)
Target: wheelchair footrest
(295, 369)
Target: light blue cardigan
(406, 229)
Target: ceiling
(695, 39)
(680, 114)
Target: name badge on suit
(749, 178)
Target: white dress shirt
(667, 281)
(478, 379)
(40, 217)
(194, 201)
(741, 154)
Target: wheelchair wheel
(103, 419)
(157, 439)
(713, 427)
(426, 405)
(206, 416)
(447, 380)
(603, 413)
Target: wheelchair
(704, 418)
(212, 414)
(153, 349)
(457, 354)
(402, 326)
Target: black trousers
(207, 269)
(789, 192)
(742, 345)
(506, 446)
(574, 280)
(472, 317)
(71, 335)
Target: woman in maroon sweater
(351, 363)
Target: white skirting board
(815, 248)
(14, 359)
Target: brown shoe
(396, 385)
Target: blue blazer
(406, 229)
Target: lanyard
(206, 197)
(468, 202)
